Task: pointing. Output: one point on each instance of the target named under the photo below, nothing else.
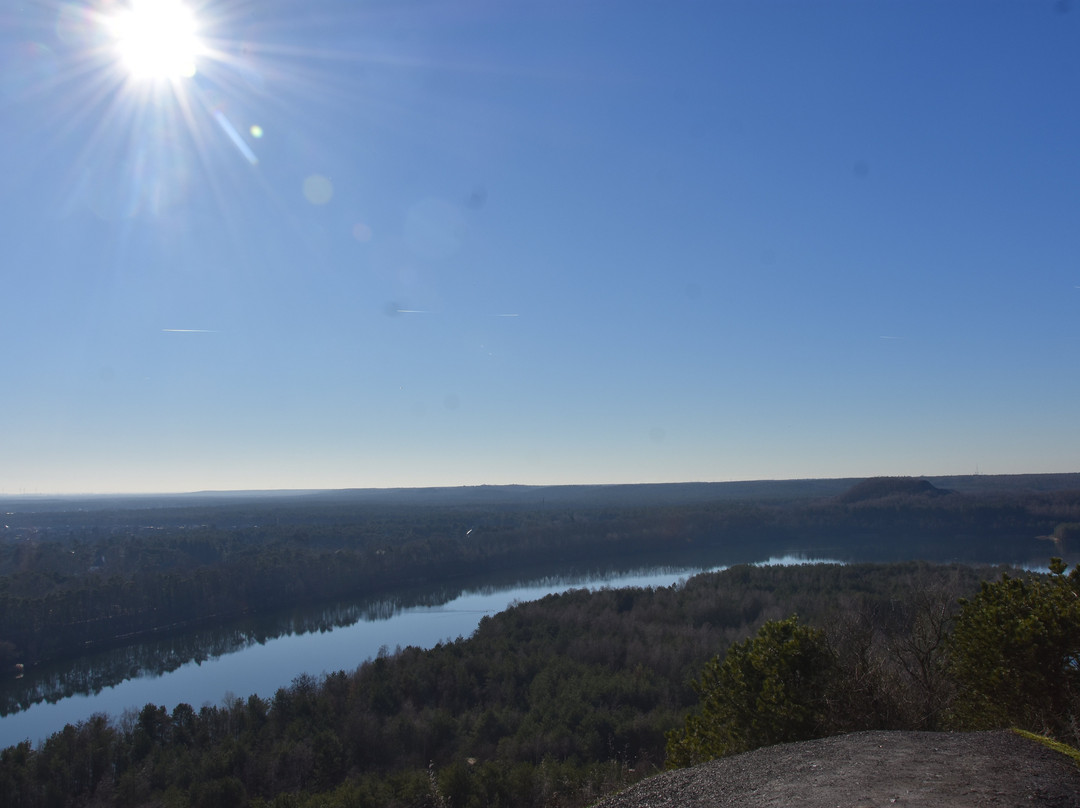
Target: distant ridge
(882, 487)
(616, 494)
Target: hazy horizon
(408, 244)
(9, 495)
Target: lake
(259, 655)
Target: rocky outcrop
(872, 770)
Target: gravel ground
(872, 770)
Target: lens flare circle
(156, 39)
(318, 190)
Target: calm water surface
(241, 660)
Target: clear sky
(374, 243)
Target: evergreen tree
(1015, 654)
(771, 688)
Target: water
(256, 657)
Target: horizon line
(324, 489)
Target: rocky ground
(872, 770)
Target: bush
(1015, 654)
(771, 688)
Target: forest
(558, 701)
(72, 581)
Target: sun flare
(157, 39)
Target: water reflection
(91, 674)
(261, 654)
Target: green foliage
(1015, 654)
(768, 689)
(1061, 748)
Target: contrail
(189, 331)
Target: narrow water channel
(254, 657)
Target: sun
(156, 39)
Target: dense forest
(558, 701)
(550, 702)
(73, 581)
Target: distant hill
(548, 496)
(519, 496)
(882, 487)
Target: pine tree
(1015, 653)
(771, 688)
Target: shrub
(1015, 654)
(770, 688)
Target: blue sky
(403, 243)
